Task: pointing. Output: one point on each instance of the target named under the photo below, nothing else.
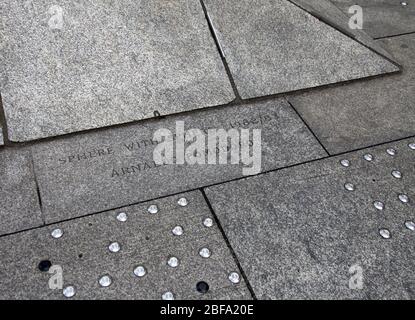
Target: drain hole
(44, 265)
(202, 287)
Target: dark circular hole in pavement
(44, 265)
(202, 287)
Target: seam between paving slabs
(3, 124)
(225, 238)
(394, 36)
(340, 29)
(308, 127)
(39, 197)
(221, 52)
(215, 184)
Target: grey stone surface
(362, 114)
(76, 179)
(383, 18)
(330, 13)
(19, 205)
(298, 231)
(275, 46)
(70, 66)
(145, 239)
(1, 136)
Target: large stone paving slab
(332, 15)
(362, 114)
(276, 46)
(103, 170)
(383, 18)
(299, 233)
(19, 205)
(145, 239)
(73, 65)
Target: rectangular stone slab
(19, 205)
(72, 66)
(383, 18)
(275, 46)
(363, 114)
(145, 240)
(299, 234)
(97, 171)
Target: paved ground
(86, 84)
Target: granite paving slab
(81, 248)
(102, 170)
(275, 46)
(68, 66)
(366, 113)
(19, 203)
(329, 13)
(383, 18)
(337, 228)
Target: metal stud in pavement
(168, 296)
(234, 277)
(183, 202)
(153, 209)
(105, 281)
(208, 222)
(379, 205)
(385, 233)
(69, 291)
(57, 233)
(122, 217)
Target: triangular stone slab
(78, 65)
(327, 11)
(276, 46)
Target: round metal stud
(412, 145)
(368, 157)
(345, 163)
(122, 217)
(173, 262)
(234, 277)
(404, 4)
(378, 205)
(182, 202)
(204, 253)
(403, 198)
(385, 233)
(57, 233)
(410, 225)
(202, 287)
(396, 174)
(168, 296)
(208, 222)
(140, 271)
(391, 151)
(153, 209)
(105, 281)
(69, 291)
(114, 247)
(177, 231)
(349, 187)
